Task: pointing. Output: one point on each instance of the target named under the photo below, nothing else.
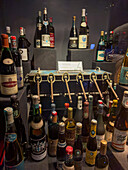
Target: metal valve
(51, 80)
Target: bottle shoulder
(102, 161)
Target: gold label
(82, 41)
(8, 61)
(93, 131)
(52, 146)
(70, 136)
(90, 156)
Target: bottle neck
(45, 17)
(61, 137)
(73, 23)
(79, 104)
(86, 111)
(54, 119)
(103, 149)
(10, 119)
(70, 115)
(5, 43)
(36, 110)
(51, 24)
(13, 44)
(93, 130)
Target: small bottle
(83, 31)
(121, 126)
(18, 62)
(100, 52)
(91, 150)
(102, 161)
(100, 131)
(79, 111)
(78, 148)
(70, 128)
(109, 50)
(73, 39)
(13, 153)
(65, 115)
(37, 133)
(124, 71)
(52, 33)
(61, 146)
(8, 32)
(53, 129)
(69, 159)
(85, 125)
(86, 19)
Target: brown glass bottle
(52, 33)
(68, 164)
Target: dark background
(102, 15)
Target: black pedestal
(45, 58)
(84, 55)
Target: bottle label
(20, 79)
(61, 145)
(45, 23)
(100, 55)
(108, 136)
(90, 156)
(73, 42)
(77, 153)
(82, 41)
(119, 139)
(52, 40)
(124, 75)
(78, 165)
(9, 84)
(85, 115)
(83, 24)
(10, 137)
(125, 102)
(73, 38)
(52, 146)
(93, 131)
(70, 136)
(24, 54)
(79, 106)
(99, 138)
(20, 166)
(37, 125)
(106, 168)
(37, 43)
(8, 61)
(45, 40)
(60, 165)
(38, 148)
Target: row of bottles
(44, 35)
(81, 41)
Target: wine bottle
(45, 36)
(8, 32)
(68, 164)
(121, 126)
(13, 153)
(39, 20)
(100, 52)
(18, 62)
(7, 70)
(124, 71)
(23, 45)
(73, 39)
(78, 148)
(79, 111)
(83, 31)
(86, 19)
(102, 161)
(91, 150)
(105, 40)
(85, 125)
(61, 146)
(37, 133)
(100, 131)
(52, 33)
(65, 115)
(70, 128)
(53, 135)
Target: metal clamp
(51, 80)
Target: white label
(106, 168)
(125, 102)
(45, 23)
(83, 24)
(9, 84)
(7, 61)
(39, 157)
(37, 125)
(79, 104)
(108, 136)
(70, 65)
(99, 138)
(20, 78)
(73, 38)
(45, 40)
(82, 41)
(24, 54)
(100, 55)
(119, 139)
(10, 119)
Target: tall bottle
(45, 36)
(18, 62)
(70, 128)
(68, 164)
(91, 114)
(73, 39)
(13, 153)
(78, 148)
(105, 40)
(124, 71)
(79, 111)
(65, 115)
(8, 32)
(22, 45)
(53, 135)
(91, 150)
(7, 70)
(102, 161)
(85, 125)
(100, 52)
(61, 146)
(20, 129)
(100, 131)
(121, 126)
(83, 31)
(37, 133)
(86, 19)
(52, 33)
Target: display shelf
(84, 55)
(45, 58)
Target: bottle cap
(66, 105)
(8, 29)
(62, 127)
(40, 105)
(53, 105)
(45, 10)
(50, 18)
(39, 13)
(105, 33)
(111, 32)
(79, 125)
(79, 97)
(5, 40)
(100, 101)
(103, 147)
(93, 121)
(83, 12)
(102, 33)
(78, 128)
(8, 111)
(13, 37)
(54, 113)
(86, 103)
(70, 109)
(35, 99)
(115, 102)
(69, 149)
(90, 98)
(21, 28)
(74, 17)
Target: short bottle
(91, 150)
(68, 164)
(65, 115)
(8, 32)
(79, 111)
(52, 33)
(102, 161)
(121, 126)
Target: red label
(9, 84)
(52, 40)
